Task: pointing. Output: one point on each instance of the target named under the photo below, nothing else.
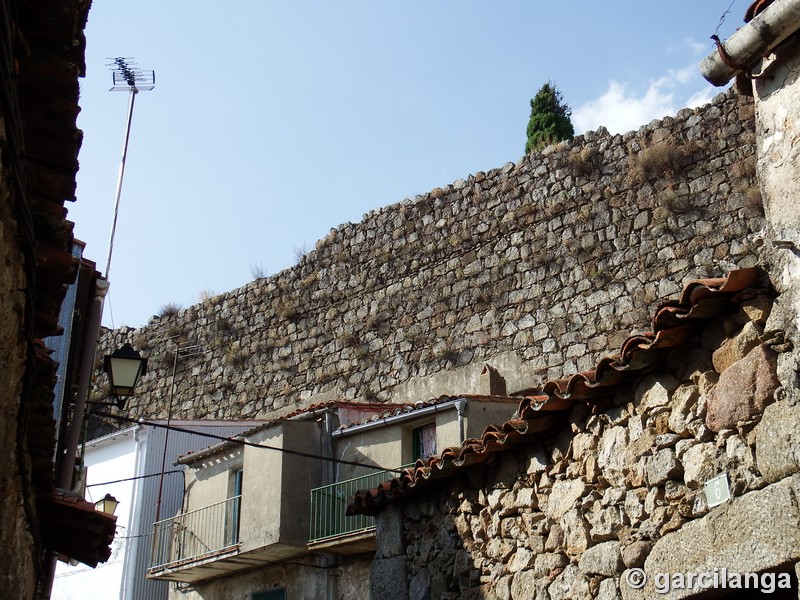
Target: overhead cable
(243, 442)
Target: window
(423, 441)
(234, 513)
(276, 594)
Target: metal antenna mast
(126, 77)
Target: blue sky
(272, 123)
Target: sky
(273, 122)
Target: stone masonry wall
(19, 550)
(566, 517)
(777, 100)
(545, 264)
(309, 578)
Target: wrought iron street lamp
(124, 367)
(107, 504)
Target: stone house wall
(777, 98)
(567, 517)
(18, 552)
(538, 267)
(309, 578)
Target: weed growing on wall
(583, 161)
(170, 309)
(660, 160)
(257, 271)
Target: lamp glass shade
(124, 367)
(107, 504)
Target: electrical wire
(133, 478)
(243, 442)
(722, 18)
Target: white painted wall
(108, 459)
(777, 97)
(135, 452)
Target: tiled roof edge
(190, 457)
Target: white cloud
(698, 48)
(683, 75)
(702, 97)
(620, 110)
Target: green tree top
(550, 119)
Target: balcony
(196, 537)
(208, 542)
(328, 523)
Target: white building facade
(135, 466)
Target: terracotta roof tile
(74, 528)
(673, 323)
(756, 8)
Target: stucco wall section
(382, 446)
(391, 445)
(276, 479)
(778, 126)
(208, 481)
(544, 263)
(309, 578)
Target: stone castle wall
(613, 506)
(542, 266)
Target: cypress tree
(550, 119)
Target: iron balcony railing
(328, 504)
(196, 534)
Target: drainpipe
(328, 445)
(64, 477)
(64, 480)
(756, 39)
(331, 562)
(461, 405)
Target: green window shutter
(416, 445)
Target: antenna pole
(126, 77)
(134, 91)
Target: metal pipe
(166, 434)
(461, 404)
(64, 480)
(328, 445)
(757, 38)
(134, 91)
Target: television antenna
(127, 77)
